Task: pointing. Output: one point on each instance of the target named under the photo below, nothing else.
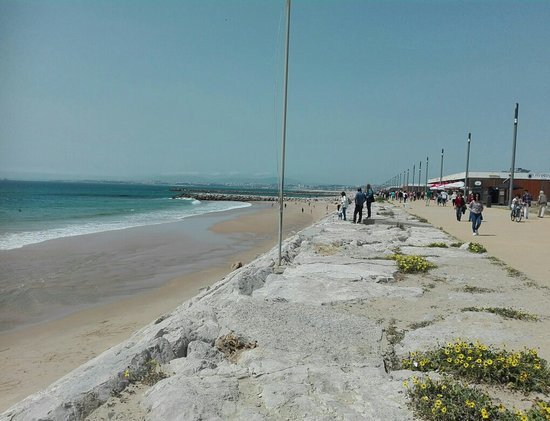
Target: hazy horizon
(139, 89)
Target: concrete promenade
(523, 246)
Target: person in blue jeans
(476, 209)
(344, 202)
(360, 199)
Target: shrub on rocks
(476, 248)
(523, 370)
(412, 263)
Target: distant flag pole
(285, 90)
(513, 156)
(414, 172)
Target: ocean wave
(10, 241)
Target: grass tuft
(441, 245)
(506, 312)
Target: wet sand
(152, 279)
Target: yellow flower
(425, 398)
(423, 386)
(126, 373)
(444, 410)
(523, 376)
(484, 413)
(466, 365)
(405, 383)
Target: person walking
(370, 198)
(542, 204)
(360, 199)
(344, 202)
(476, 209)
(527, 203)
(460, 206)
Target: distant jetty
(225, 196)
(242, 197)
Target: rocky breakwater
(319, 338)
(226, 196)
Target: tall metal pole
(285, 90)
(407, 179)
(419, 174)
(513, 156)
(414, 172)
(426, 185)
(467, 166)
(441, 172)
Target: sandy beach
(36, 355)
(322, 337)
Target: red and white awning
(447, 186)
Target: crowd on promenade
(472, 203)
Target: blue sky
(139, 89)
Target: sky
(134, 89)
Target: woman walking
(542, 204)
(344, 202)
(460, 206)
(476, 208)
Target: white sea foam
(11, 241)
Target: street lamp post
(441, 172)
(467, 166)
(419, 174)
(414, 172)
(513, 156)
(426, 185)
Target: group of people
(473, 203)
(524, 202)
(361, 199)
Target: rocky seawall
(318, 338)
(228, 197)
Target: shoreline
(37, 355)
(312, 337)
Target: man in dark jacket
(360, 199)
(369, 194)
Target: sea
(36, 211)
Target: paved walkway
(523, 246)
